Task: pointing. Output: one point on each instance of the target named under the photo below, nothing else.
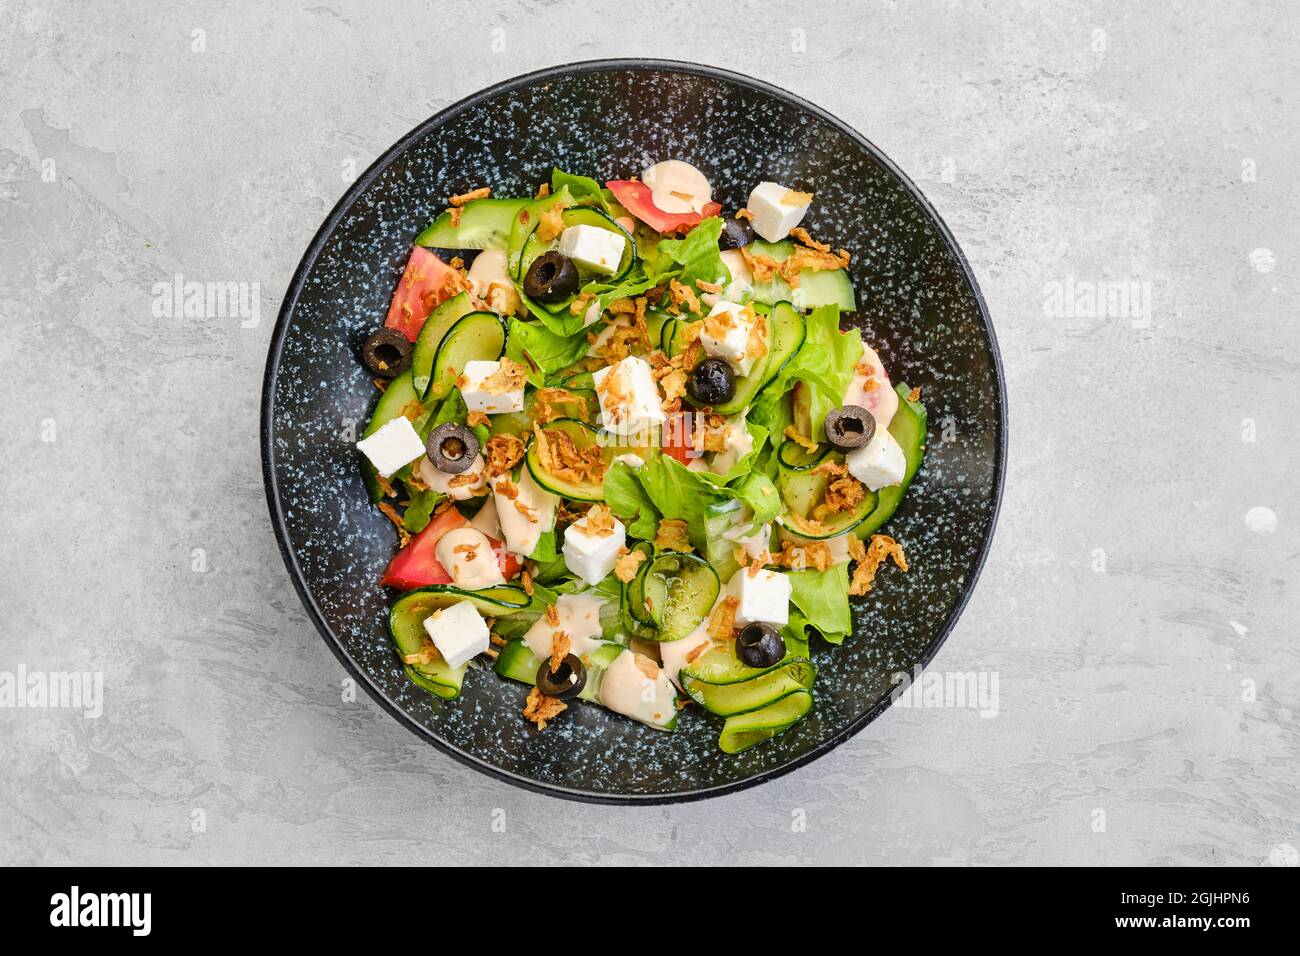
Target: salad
(632, 458)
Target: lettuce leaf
(679, 493)
(583, 189)
(628, 501)
(823, 598)
(692, 258)
(824, 363)
(757, 491)
(542, 351)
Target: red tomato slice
(675, 440)
(426, 283)
(417, 565)
(636, 198)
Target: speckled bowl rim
(290, 304)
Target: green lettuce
(542, 351)
(825, 363)
(757, 491)
(680, 493)
(629, 502)
(823, 598)
(692, 258)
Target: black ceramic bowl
(921, 309)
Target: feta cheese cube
(467, 555)
(593, 248)
(879, 462)
(591, 555)
(764, 596)
(776, 210)
(458, 632)
(629, 397)
(725, 334)
(393, 444)
(477, 399)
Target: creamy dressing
(677, 187)
(626, 689)
(579, 616)
(754, 540)
(522, 531)
(486, 519)
(674, 653)
(440, 481)
(739, 443)
(488, 272)
(467, 556)
(880, 399)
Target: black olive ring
(849, 427)
(452, 448)
(564, 682)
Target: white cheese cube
(525, 511)
(458, 632)
(764, 596)
(776, 210)
(629, 397)
(879, 462)
(490, 403)
(725, 335)
(589, 555)
(593, 248)
(467, 555)
(393, 445)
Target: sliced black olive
(850, 427)
(387, 353)
(452, 448)
(735, 233)
(564, 682)
(551, 278)
(711, 382)
(760, 645)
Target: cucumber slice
(720, 665)
(519, 663)
(478, 336)
(406, 627)
(744, 730)
(633, 592)
(394, 401)
(728, 700)
(435, 328)
(584, 436)
(678, 590)
(802, 488)
(484, 224)
(583, 405)
(816, 287)
(908, 429)
(789, 330)
(720, 518)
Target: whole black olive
(711, 382)
(565, 682)
(735, 233)
(850, 427)
(760, 645)
(387, 353)
(452, 448)
(551, 278)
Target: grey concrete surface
(1140, 603)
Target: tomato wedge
(676, 437)
(417, 566)
(427, 282)
(637, 199)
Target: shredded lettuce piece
(542, 351)
(628, 501)
(824, 363)
(823, 599)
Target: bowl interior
(920, 310)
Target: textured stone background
(1142, 627)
